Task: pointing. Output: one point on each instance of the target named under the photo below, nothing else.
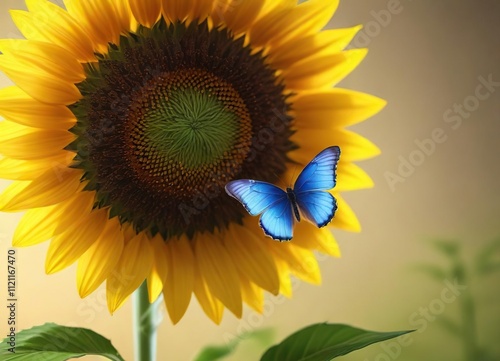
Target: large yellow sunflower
(128, 117)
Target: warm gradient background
(424, 59)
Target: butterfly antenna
(279, 180)
(293, 174)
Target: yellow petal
(284, 275)
(124, 14)
(130, 272)
(179, 10)
(212, 307)
(57, 26)
(128, 232)
(96, 264)
(344, 217)
(28, 170)
(100, 19)
(180, 278)
(118, 12)
(351, 177)
(146, 12)
(321, 239)
(38, 83)
(281, 265)
(158, 276)
(48, 189)
(27, 25)
(252, 258)
(274, 5)
(334, 108)
(9, 130)
(48, 22)
(12, 191)
(82, 203)
(252, 294)
(327, 42)
(17, 106)
(219, 271)
(37, 225)
(50, 58)
(301, 262)
(40, 224)
(284, 23)
(240, 14)
(352, 146)
(25, 143)
(322, 71)
(67, 247)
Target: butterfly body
(280, 208)
(293, 201)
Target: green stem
(468, 313)
(469, 317)
(144, 326)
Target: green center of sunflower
(168, 117)
(190, 128)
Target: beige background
(426, 58)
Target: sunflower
(128, 117)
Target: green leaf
(450, 325)
(51, 342)
(486, 355)
(214, 353)
(488, 260)
(323, 342)
(450, 248)
(433, 271)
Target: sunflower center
(190, 128)
(169, 116)
(183, 124)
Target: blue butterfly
(308, 197)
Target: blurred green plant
(484, 263)
(213, 353)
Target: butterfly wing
(255, 196)
(277, 221)
(317, 206)
(320, 173)
(261, 197)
